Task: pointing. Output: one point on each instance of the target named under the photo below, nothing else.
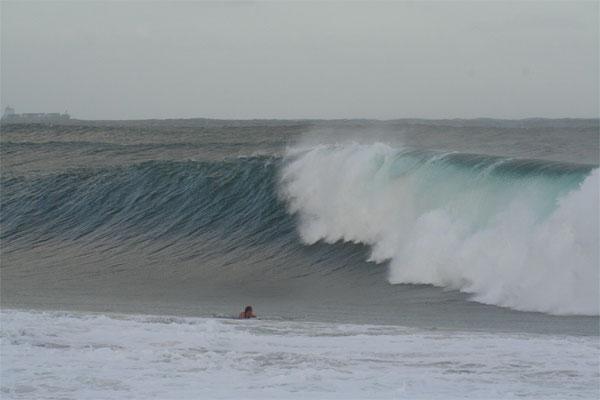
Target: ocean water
(383, 259)
(76, 355)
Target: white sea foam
(529, 242)
(82, 356)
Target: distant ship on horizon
(11, 117)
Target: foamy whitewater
(385, 259)
(512, 234)
(49, 355)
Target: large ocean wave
(515, 233)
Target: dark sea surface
(487, 225)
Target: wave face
(148, 202)
(514, 233)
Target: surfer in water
(248, 313)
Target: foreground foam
(73, 355)
(521, 234)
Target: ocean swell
(514, 233)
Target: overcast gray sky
(119, 60)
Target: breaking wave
(516, 233)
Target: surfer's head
(248, 313)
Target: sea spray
(516, 233)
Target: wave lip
(514, 233)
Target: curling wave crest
(516, 233)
